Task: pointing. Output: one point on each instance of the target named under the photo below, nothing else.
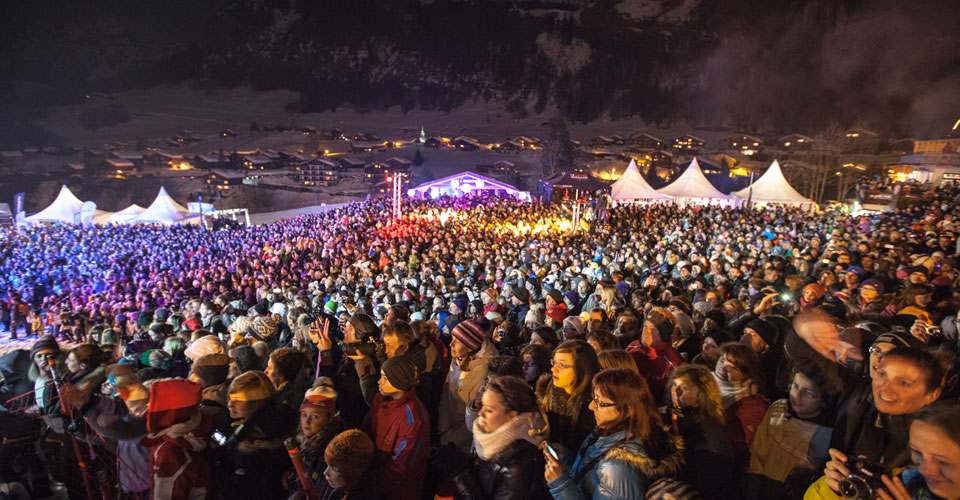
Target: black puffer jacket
(254, 460)
(515, 473)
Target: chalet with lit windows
(645, 142)
(526, 142)
(352, 163)
(292, 160)
(320, 172)
(465, 143)
(117, 168)
(162, 159)
(602, 141)
(747, 145)
(375, 173)
(795, 142)
(308, 130)
(688, 143)
(510, 146)
(258, 162)
(395, 164)
(503, 167)
(228, 133)
(221, 180)
(858, 140)
(435, 142)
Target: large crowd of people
(486, 349)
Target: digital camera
(863, 481)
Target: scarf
(488, 444)
(731, 392)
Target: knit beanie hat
(212, 369)
(209, 344)
(172, 400)
(872, 283)
(766, 330)
(522, 294)
(556, 296)
(663, 321)
(470, 334)
(819, 291)
(288, 362)
(364, 326)
(46, 343)
(557, 313)
(401, 373)
(575, 323)
(321, 396)
(350, 454)
(263, 328)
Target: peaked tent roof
(772, 187)
(63, 209)
(491, 183)
(692, 184)
(632, 186)
(163, 210)
(118, 217)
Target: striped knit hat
(321, 396)
(470, 334)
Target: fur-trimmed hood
(633, 454)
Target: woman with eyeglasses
(740, 377)
(627, 452)
(790, 447)
(564, 393)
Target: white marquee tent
(119, 217)
(164, 210)
(63, 209)
(632, 186)
(772, 187)
(692, 185)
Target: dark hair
(604, 339)
(517, 395)
(246, 359)
(923, 360)
(88, 355)
(943, 414)
(636, 406)
(540, 354)
(501, 366)
(743, 357)
(401, 312)
(549, 335)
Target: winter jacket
(312, 452)
(569, 424)
(111, 419)
(177, 435)
(623, 473)
(742, 419)
(400, 430)
(214, 405)
(254, 460)
(512, 470)
(460, 389)
(366, 490)
(786, 455)
(655, 364)
(291, 393)
(14, 367)
(708, 455)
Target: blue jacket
(624, 472)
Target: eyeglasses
(562, 366)
(597, 402)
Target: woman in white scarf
(740, 377)
(506, 433)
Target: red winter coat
(655, 365)
(400, 430)
(741, 421)
(177, 437)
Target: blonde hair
(708, 391)
(616, 358)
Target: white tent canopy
(692, 184)
(632, 186)
(164, 210)
(121, 216)
(63, 209)
(772, 187)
